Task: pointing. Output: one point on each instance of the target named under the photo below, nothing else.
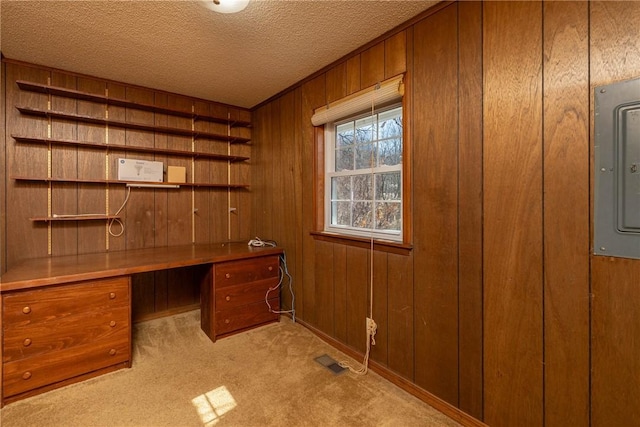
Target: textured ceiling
(183, 47)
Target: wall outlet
(371, 326)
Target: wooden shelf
(73, 218)
(129, 125)
(85, 96)
(133, 183)
(182, 153)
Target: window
(363, 175)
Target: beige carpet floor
(263, 377)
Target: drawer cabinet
(53, 335)
(234, 299)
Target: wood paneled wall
(153, 218)
(512, 186)
(499, 309)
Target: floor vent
(330, 364)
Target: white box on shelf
(140, 170)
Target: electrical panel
(617, 170)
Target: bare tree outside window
(365, 177)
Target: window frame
(328, 172)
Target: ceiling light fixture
(228, 6)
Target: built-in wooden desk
(66, 319)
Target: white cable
(257, 242)
(118, 220)
(126, 199)
(283, 271)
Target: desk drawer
(246, 270)
(28, 374)
(238, 295)
(49, 304)
(246, 316)
(64, 332)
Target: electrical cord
(283, 271)
(118, 220)
(257, 242)
(126, 199)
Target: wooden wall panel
(265, 209)
(340, 298)
(380, 306)
(299, 169)
(324, 292)
(210, 221)
(615, 318)
(160, 290)
(358, 277)
(435, 156)
(140, 208)
(219, 171)
(179, 220)
(274, 178)
(470, 207)
(64, 164)
(143, 295)
(313, 96)
(372, 65)
(566, 214)
(258, 184)
(161, 199)
(115, 194)
(400, 315)
(240, 173)
(336, 82)
(615, 342)
(395, 55)
(92, 164)
(4, 140)
(353, 75)
(288, 196)
(512, 160)
(182, 286)
(26, 199)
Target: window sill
(360, 242)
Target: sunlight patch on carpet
(212, 405)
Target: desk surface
(57, 270)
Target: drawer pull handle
(112, 352)
(112, 295)
(228, 298)
(228, 276)
(112, 323)
(226, 321)
(26, 375)
(270, 268)
(26, 342)
(26, 310)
